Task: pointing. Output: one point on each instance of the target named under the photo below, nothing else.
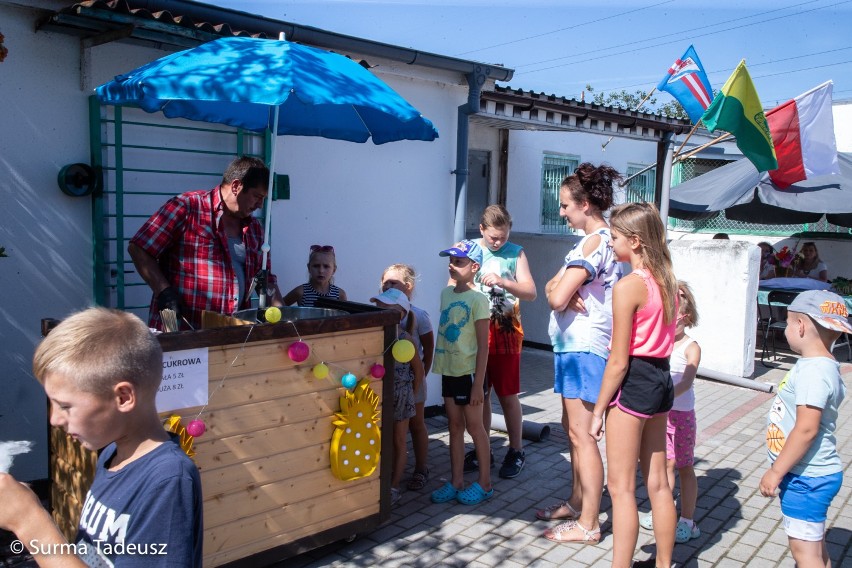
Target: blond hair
(496, 216)
(642, 220)
(687, 305)
(409, 276)
(99, 347)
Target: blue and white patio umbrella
(260, 84)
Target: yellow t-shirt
(455, 346)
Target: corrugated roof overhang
(515, 109)
(182, 24)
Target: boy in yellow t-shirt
(461, 355)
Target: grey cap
(826, 308)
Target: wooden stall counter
(265, 458)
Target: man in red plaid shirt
(202, 249)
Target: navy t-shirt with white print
(149, 513)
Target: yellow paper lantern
(320, 370)
(403, 351)
(273, 315)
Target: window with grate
(641, 187)
(554, 168)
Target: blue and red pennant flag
(687, 82)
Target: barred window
(554, 168)
(641, 187)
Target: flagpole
(688, 136)
(642, 102)
(703, 147)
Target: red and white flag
(803, 133)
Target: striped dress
(310, 296)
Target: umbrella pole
(666, 189)
(262, 290)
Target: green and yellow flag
(737, 109)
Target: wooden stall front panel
(264, 459)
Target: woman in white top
(580, 328)
(811, 266)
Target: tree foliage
(629, 101)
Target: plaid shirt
(186, 238)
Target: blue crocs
(446, 493)
(474, 495)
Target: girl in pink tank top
(637, 390)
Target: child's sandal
(445, 494)
(418, 480)
(474, 495)
(572, 531)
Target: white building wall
(724, 278)
(377, 205)
(527, 149)
(842, 114)
(47, 235)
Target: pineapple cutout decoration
(356, 441)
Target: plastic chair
(764, 318)
(777, 303)
(842, 341)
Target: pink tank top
(651, 336)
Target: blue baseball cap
(465, 249)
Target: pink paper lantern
(298, 351)
(377, 371)
(196, 428)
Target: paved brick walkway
(739, 527)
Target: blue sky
(789, 45)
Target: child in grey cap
(805, 467)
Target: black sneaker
(471, 463)
(513, 463)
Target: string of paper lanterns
(402, 350)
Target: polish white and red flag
(803, 133)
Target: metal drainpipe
(475, 80)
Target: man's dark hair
(252, 172)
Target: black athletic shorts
(647, 388)
(457, 388)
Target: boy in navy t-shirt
(101, 370)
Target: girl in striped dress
(322, 264)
